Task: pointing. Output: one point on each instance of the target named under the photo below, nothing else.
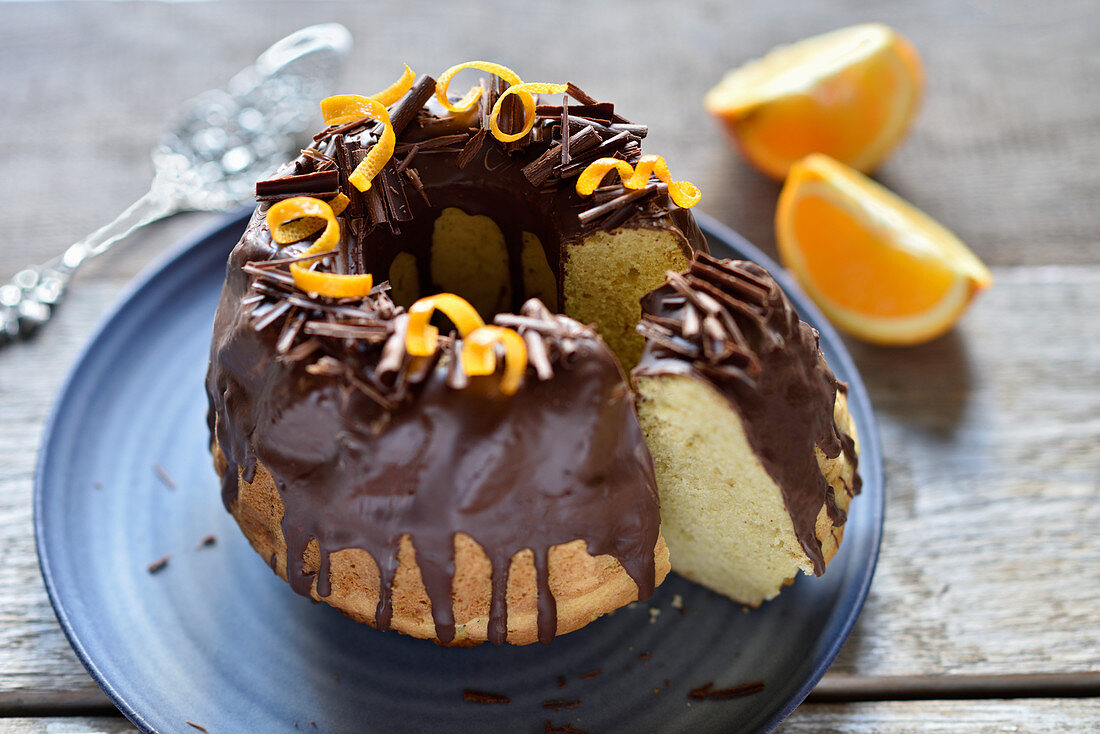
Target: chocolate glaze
(562, 459)
(729, 323)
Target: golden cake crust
(584, 586)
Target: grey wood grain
(990, 561)
(1004, 152)
(1028, 716)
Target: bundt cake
(749, 430)
(418, 396)
(381, 466)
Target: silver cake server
(215, 149)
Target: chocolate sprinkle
(563, 729)
(472, 696)
(559, 705)
(709, 693)
(160, 563)
(163, 475)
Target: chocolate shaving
(563, 729)
(565, 157)
(279, 262)
(326, 366)
(319, 183)
(414, 178)
(538, 171)
(408, 158)
(394, 192)
(709, 693)
(443, 141)
(638, 131)
(345, 164)
(163, 475)
(558, 705)
(303, 350)
(601, 111)
(473, 696)
(291, 328)
(207, 541)
(376, 209)
(590, 215)
(270, 315)
(405, 110)
(471, 149)
(320, 161)
(345, 331)
(579, 94)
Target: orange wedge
(879, 268)
(851, 94)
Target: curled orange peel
(285, 218)
(684, 193)
(299, 229)
(421, 337)
(472, 96)
(397, 90)
(479, 355)
(344, 108)
(525, 92)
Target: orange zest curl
(684, 193)
(397, 90)
(479, 355)
(421, 337)
(287, 220)
(344, 108)
(474, 94)
(524, 91)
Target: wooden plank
(1024, 716)
(71, 725)
(990, 435)
(1004, 151)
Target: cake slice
(754, 450)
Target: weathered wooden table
(985, 610)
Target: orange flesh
(857, 271)
(826, 121)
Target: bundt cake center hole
(496, 253)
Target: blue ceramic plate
(215, 638)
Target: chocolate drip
(729, 323)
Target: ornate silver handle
(27, 300)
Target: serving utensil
(208, 159)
